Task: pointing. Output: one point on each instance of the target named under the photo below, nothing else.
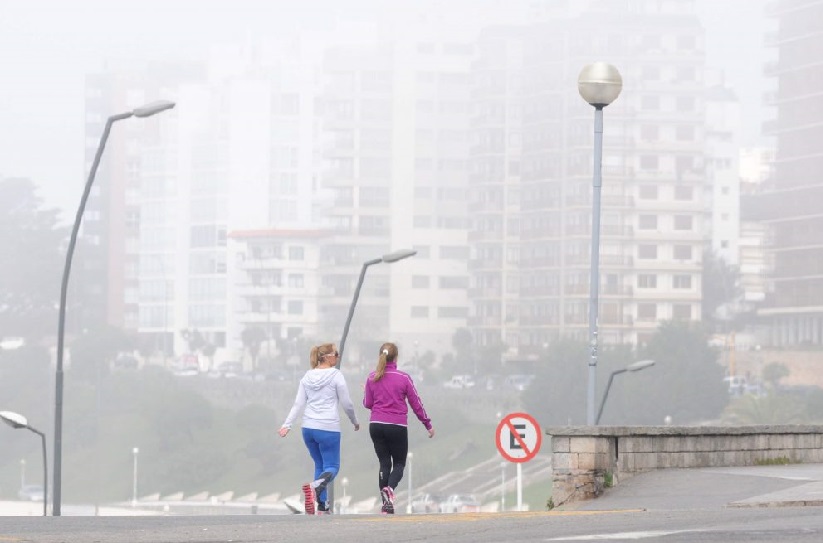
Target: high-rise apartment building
(789, 203)
(534, 176)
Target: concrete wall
(587, 459)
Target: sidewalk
(711, 488)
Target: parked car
(31, 493)
(519, 381)
(460, 503)
(426, 503)
(460, 381)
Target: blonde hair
(388, 353)
(318, 352)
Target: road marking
(9, 538)
(473, 517)
(624, 535)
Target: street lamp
(388, 258)
(636, 366)
(599, 84)
(144, 111)
(409, 458)
(134, 451)
(18, 421)
(345, 482)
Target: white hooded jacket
(320, 391)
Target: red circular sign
(518, 437)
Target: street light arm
(45, 469)
(353, 304)
(606, 394)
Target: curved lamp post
(17, 422)
(388, 258)
(599, 84)
(636, 366)
(144, 111)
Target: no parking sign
(518, 437)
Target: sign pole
(519, 486)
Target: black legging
(391, 443)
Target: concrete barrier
(587, 459)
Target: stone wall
(587, 459)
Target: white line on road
(624, 535)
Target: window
(682, 252)
(684, 133)
(646, 312)
(649, 162)
(452, 312)
(647, 192)
(649, 132)
(724, 190)
(456, 252)
(647, 280)
(420, 281)
(296, 253)
(647, 222)
(296, 280)
(646, 252)
(454, 281)
(682, 222)
(683, 192)
(419, 312)
(295, 307)
(681, 312)
(682, 281)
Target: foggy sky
(48, 46)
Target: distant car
(31, 493)
(460, 382)
(519, 381)
(426, 503)
(460, 503)
(231, 369)
(126, 361)
(736, 383)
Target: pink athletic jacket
(387, 398)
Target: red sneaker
(308, 499)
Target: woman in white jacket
(321, 390)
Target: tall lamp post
(636, 366)
(599, 84)
(145, 111)
(409, 458)
(389, 258)
(135, 451)
(18, 421)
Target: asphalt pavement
(789, 485)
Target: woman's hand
(431, 433)
(356, 427)
(283, 431)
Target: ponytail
(388, 353)
(314, 357)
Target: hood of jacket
(318, 378)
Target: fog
(227, 235)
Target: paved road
(727, 505)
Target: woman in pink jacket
(387, 392)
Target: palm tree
(253, 338)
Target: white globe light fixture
(599, 84)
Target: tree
(194, 339)
(93, 351)
(773, 373)
(253, 338)
(31, 269)
(720, 284)
(686, 381)
(463, 343)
